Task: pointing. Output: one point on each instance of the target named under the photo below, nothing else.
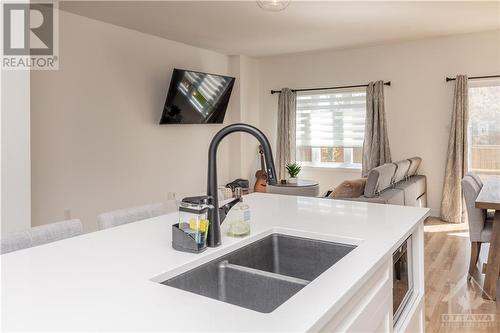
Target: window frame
(478, 84)
(348, 163)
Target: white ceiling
(243, 28)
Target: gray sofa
(396, 183)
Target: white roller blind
(331, 118)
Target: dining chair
(40, 235)
(480, 227)
(123, 216)
(476, 179)
(490, 214)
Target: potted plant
(293, 170)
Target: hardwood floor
(452, 302)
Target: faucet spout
(214, 234)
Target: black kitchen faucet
(214, 234)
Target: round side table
(303, 187)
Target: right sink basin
(264, 274)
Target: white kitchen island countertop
(106, 280)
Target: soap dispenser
(190, 234)
(238, 220)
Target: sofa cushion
(390, 196)
(414, 164)
(379, 179)
(365, 199)
(349, 189)
(402, 168)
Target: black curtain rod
(474, 77)
(388, 83)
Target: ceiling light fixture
(273, 5)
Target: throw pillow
(349, 189)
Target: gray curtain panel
(456, 159)
(376, 149)
(285, 145)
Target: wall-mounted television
(196, 98)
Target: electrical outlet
(171, 196)
(67, 214)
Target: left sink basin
(264, 274)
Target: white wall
(96, 142)
(249, 79)
(15, 152)
(418, 104)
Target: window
(330, 128)
(484, 127)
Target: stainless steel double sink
(264, 274)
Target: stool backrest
(129, 215)
(39, 235)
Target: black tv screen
(196, 98)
